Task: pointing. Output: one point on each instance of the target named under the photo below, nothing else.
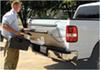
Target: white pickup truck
(81, 34)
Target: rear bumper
(72, 56)
(58, 49)
(66, 54)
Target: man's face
(17, 7)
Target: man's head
(16, 5)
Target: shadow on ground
(81, 64)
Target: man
(10, 29)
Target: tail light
(71, 33)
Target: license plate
(43, 49)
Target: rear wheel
(95, 58)
(92, 62)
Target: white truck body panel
(88, 35)
(88, 31)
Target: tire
(95, 58)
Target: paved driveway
(30, 60)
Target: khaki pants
(11, 57)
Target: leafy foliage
(43, 8)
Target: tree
(70, 5)
(5, 6)
(43, 8)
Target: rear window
(88, 12)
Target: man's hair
(15, 2)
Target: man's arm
(10, 29)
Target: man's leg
(11, 58)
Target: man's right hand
(19, 33)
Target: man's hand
(25, 30)
(19, 33)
